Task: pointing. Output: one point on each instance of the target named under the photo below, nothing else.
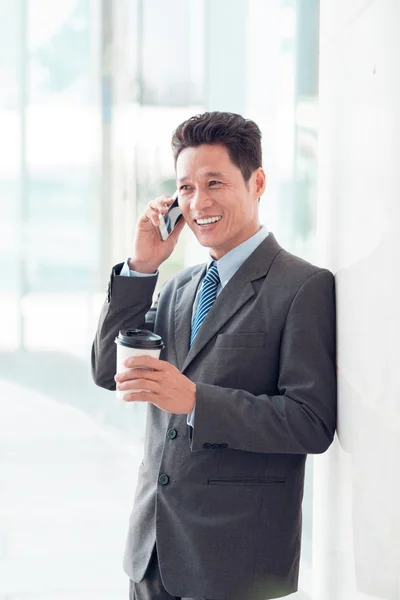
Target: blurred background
(90, 93)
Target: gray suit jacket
(224, 500)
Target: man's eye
(183, 188)
(214, 182)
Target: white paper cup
(135, 342)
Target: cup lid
(139, 338)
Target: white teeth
(208, 221)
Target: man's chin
(207, 241)
(217, 248)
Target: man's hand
(149, 250)
(167, 388)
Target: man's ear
(260, 181)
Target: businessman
(244, 389)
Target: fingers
(161, 203)
(157, 207)
(147, 362)
(140, 397)
(144, 367)
(139, 384)
(135, 374)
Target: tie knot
(212, 274)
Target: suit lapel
(235, 294)
(183, 314)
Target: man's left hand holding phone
(155, 237)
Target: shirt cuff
(127, 272)
(190, 417)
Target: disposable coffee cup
(135, 342)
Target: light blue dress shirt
(227, 267)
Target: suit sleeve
(302, 417)
(127, 306)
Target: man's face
(218, 205)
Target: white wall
(357, 511)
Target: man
(244, 389)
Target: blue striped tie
(208, 294)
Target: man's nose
(200, 200)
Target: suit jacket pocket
(240, 340)
(246, 481)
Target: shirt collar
(233, 260)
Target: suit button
(163, 479)
(214, 446)
(206, 446)
(172, 433)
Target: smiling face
(216, 202)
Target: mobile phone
(170, 220)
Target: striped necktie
(208, 294)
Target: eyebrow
(209, 174)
